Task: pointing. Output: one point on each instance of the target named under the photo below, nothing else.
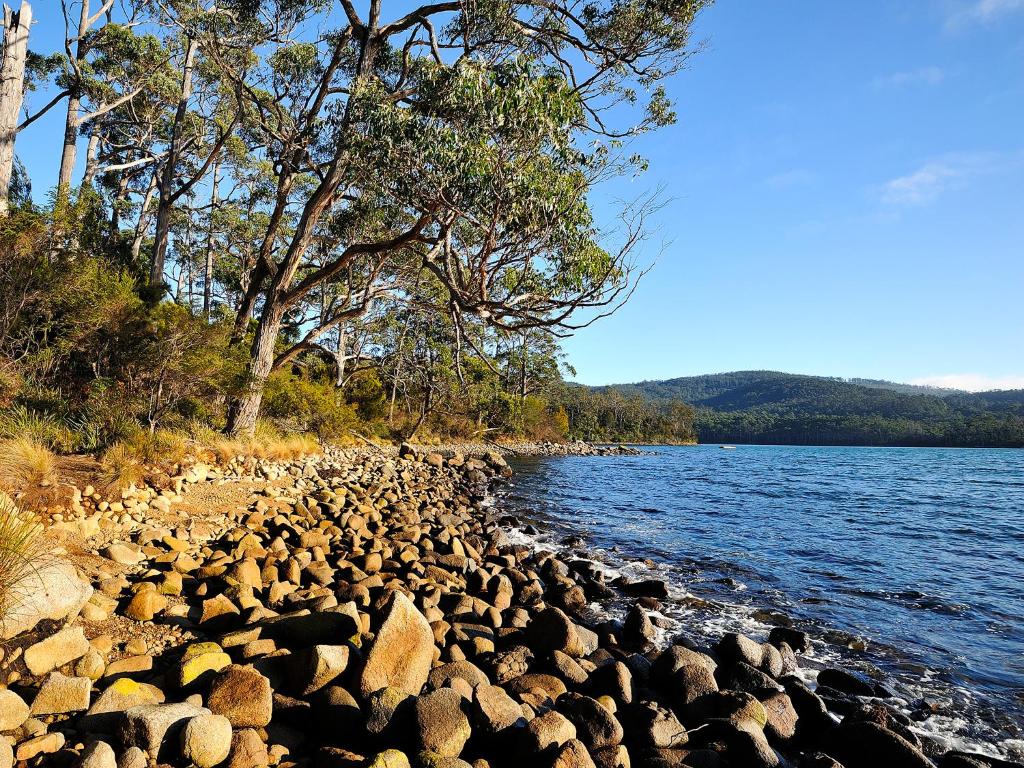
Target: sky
(844, 196)
(846, 185)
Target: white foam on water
(683, 618)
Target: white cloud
(982, 12)
(972, 382)
(922, 76)
(941, 174)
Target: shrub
(120, 466)
(25, 464)
(42, 428)
(309, 405)
(21, 548)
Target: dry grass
(21, 549)
(121, 466)
(266, 443)
(26, 464)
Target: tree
(460, 136)
(12, 90)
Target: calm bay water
(908, 560)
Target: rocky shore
(369, 610)
(530, 448)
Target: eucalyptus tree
(464, 137)
(12, 89)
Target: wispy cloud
(797, 177)
(922, 76)
(972, 382)
(930, 180)
(981, 12)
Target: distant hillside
(773, 407)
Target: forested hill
(772, 407)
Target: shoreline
(280, 607)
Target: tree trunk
(246, 409)
(92, 155)
(143, 223)
(163, 211)
(210, 238)
(115, 208)
(69, 154)
(12, 82)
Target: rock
(119, 697)
(56, 650)
(651, 725)
(387, 710)
(573, 754)
(243, 696)
(782, 717)
(551, 630)
(867, 745)
(317, 667)
(98, 754)
(510, 663)
(7, 753)
(248, 750)
(494, 710)
(53, 590)
(846, 682)
(689, 683)
(734, 648)
(60, 694)
(442, 726)
(596, 727)
(551, 728)
(201, 660)
(133, 757)
(145, 605)
(206, 740)
(390, 758)
(45, 744)
(151, 726)
(637, 629)
(402, 651)
(13, 710)
(464, 670)
(124, 554)
(794, 638)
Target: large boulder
(243, 696)
(153, 726)
(56, 650)
(401, 653)
(206, 740)
(51, 590)
(442, 727)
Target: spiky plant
(21, 550)
(25, 464)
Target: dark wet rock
(794, 638)
(868, 745)
(843, 681)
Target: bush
(311, 406)
(25, 464)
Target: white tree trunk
(12, 90)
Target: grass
(45, 429)
(26, 464)
(120, 466)
(21, 548)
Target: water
(906, 560)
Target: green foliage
(771, 407)
(314, 406)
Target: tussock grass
(26, 464)
(21, 550)
(45, 429)
(121, 466)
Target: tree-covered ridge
(773, 407)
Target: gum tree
(459, 138)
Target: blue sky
(845, 197)
(847, 184)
